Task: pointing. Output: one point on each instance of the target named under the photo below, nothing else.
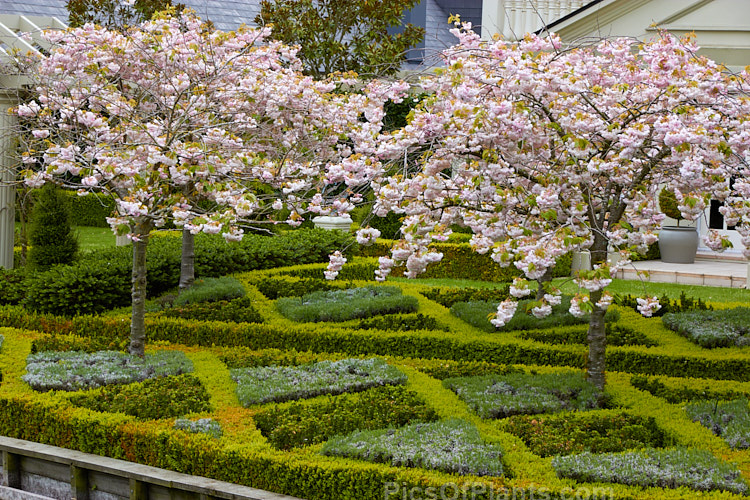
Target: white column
(7, 179)
(493, 18)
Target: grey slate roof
(229, 14)
(226, 14)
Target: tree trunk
(542, 282)
(597, 340)
(138, 292)
(597, 336)
(187, 260)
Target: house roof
(225, 14)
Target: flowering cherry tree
(543, 150)
(170, 117)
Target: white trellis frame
(13, 40)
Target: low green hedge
(460, 261)
(243, 456)
(101, 280)
(667, 359)
(595, 432)
(152, 399)
(236, 311)
(315, 421)
(684, 391)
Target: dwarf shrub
(211, 290)
(452, 446)
(343, 305)
(278, 383)
(305, 423)
(477, 314)
(728, 419)
(206, 426)
(152, 399)
(567, 433)
(667, 468)
(494, 396)
(711, 329)
(72, 371)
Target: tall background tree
(543, 150)
(344, 35)
(171, 111)
(51, 236)
(115, 14)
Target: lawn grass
(94, 238)
(90, 238)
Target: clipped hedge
(310, 422)
(90, 210)
(152, 399)
(101, 280)
(460, 261)
(498, 349)
(243, 456)
(595, 432)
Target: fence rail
(32, 471)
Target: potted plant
(677, 244)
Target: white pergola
(18, 34)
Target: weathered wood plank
(192, 486)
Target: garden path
(707, 270)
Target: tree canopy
(170, 113)
(344, 35)
(543, 150)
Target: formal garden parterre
(413, 396)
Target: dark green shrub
(302, 424)
(446, 297)
(51, 235)
(152, 399)
(711, 329)
(494, 396)
(78, 289)
(343, 305)
(477, 314)
(90, 210)
(274, 287)
(402, 323)
(617, 335)
(211, 290)
(237, 311)
(578, 432)
(101, 280)
(12, 286)
(695, 391)
(245, 357)
(684, 303)
(442, 369)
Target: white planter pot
(678, 245)
(326, 222)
